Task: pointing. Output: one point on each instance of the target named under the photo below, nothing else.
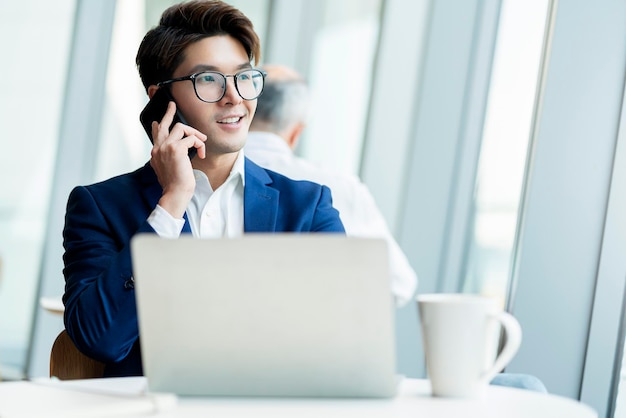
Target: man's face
(225, 122)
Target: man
(281, 116)
(202, 52)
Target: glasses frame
(235, 76)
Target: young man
(282, 114)
(202, 52)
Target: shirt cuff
(165, 225)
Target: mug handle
(513, 332)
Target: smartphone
(155, 110)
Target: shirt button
(129, 284)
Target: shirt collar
(238, 167)
(236, 172)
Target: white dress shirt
(357, 209)
(211, 213)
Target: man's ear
(151, 90)
(294, 135)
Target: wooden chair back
(67, 363)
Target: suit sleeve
(100, 311)
(326, 217)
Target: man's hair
(162, 49)
(282, 103)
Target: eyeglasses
(210, 86)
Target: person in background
(202, 52)
(281, 116)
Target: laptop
(288, 315)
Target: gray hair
(283, 103)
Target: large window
(35, 40)
(340, 76)
(506, 133)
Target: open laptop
(306, 315)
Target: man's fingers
(168, 118)
(181, 130)
(161, 129)
(180, 135)
(193, 141)
(200, 147)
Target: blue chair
(520, 381)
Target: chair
(67, 363)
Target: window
(341, 74)
(35, 35)
(506, 133)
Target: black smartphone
(155, 110)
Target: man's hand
(170, 161)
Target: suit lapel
(260, 202)
(151, 189)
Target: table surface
(52, 305)
(126, 397)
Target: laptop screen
(266, 315)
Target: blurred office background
(490, 132)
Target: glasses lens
(210, 86)
(249, 84)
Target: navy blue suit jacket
(100, 310)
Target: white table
(52, 305)
(125, 397)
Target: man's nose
(231, 95)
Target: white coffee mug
(460, 335)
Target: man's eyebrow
(204, 67)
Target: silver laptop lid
(266, 315)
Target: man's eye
(207, 78)
(244, 76)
